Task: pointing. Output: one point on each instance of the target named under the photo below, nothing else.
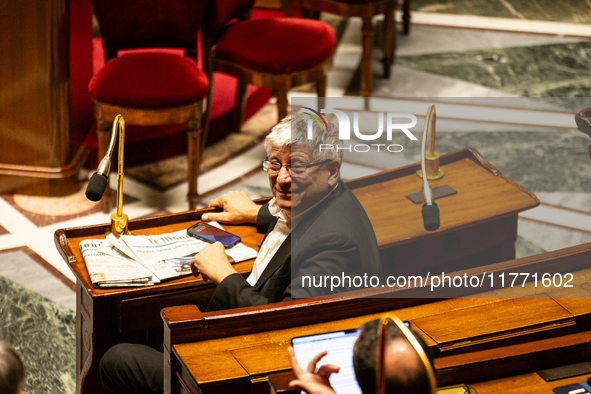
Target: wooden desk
(479, 226)
(475, 339)
(105, 317)
(526, 383)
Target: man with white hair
(315, 227)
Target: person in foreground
(405, 373)
(314, 227)
(12, 370)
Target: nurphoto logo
(344, 123)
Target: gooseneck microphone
(98, 182)
(430, 210)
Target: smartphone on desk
(208, 233)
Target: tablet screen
(340, 353)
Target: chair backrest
(129, 24)
(220, 12)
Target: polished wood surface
(469, 323)
(511, 328)
(268, 4)
(520, 358)
(526, 383)
(44, 118)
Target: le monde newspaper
(143, 260)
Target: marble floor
(572, 11)
(474, 59)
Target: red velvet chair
(151, 87)
(366, 9)
(273, 53)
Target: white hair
(293, 131)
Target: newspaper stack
(142, 260)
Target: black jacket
(334, 239)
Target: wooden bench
(489, 336)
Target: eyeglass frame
(288, 166)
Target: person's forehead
(290, 151)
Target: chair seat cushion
(149, 80)
(277, 45)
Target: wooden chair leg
(103, 131)
(406, 5)
(239, 105)
(311, 14)
(389, 38)
(321, 92)
(282, 104)
(193, 160)
(206, 118)
(367, 47)
(288, 8)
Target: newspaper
(112, 271)
(162, 256)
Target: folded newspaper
(142, 260)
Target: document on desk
(156, 251)
(112, 271)
(164, 256)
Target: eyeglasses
(295, 168)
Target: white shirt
(276, 237)
(272, 242)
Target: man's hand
(238, 208)
(312, 382)
(212, 263)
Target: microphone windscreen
(430, 217)
(96, 186)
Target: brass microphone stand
(118, 219)
(430, 159)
